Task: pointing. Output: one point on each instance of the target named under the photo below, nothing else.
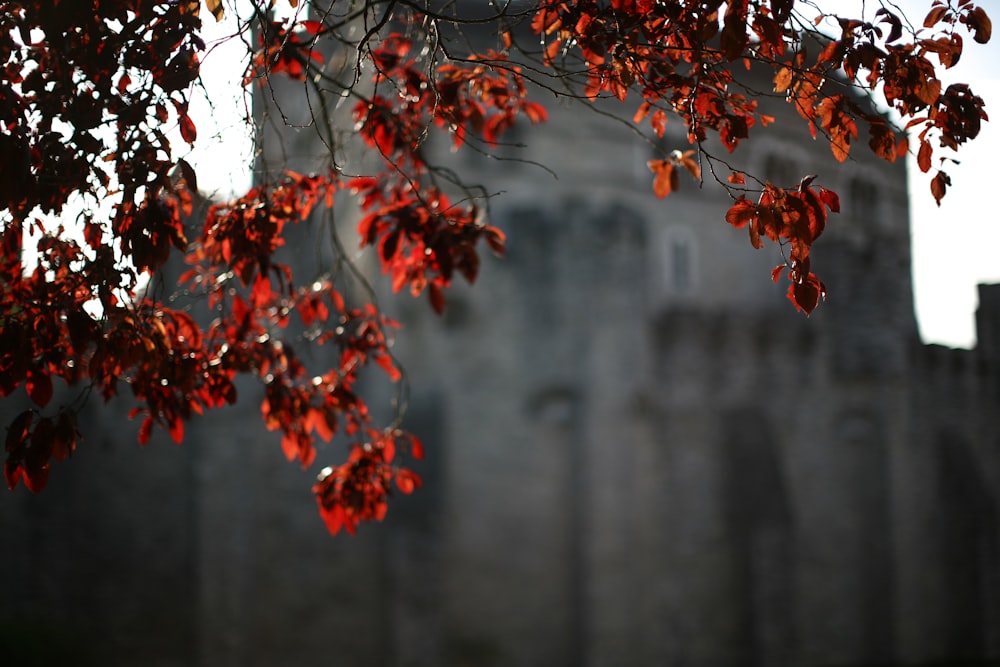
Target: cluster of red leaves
(357, 490)
(88, 88)
(792, 217)
(680, 56)
(83, 107)
(238, 240)
(661, 50)
(423, 238)
(665, 178)
(282, 50)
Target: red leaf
(934, 16)
(290, 446)
(64, 439)
(388, 449)
(416, 447)
(39, 386)
(535, 112)
(386, 363)
(312, 27)
(407, 481)
(333, 517)
(37, 479)
(12, 472)
(389, 246)
(17, 432)
(177, 430)
(924, 156)
(187, 171)
(36, 462)
(436, 296)
(740, 213)
(830, 199)
(665, 177)
(188, 131)
(980, 24)
(145, 431)
(806, 293)
(496, 240)
(939, 185)
(317, 421)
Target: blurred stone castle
(638, 454)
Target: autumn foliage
(92, 91)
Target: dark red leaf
(436, 296)
(17, 432)
(64, 438)
(12, 472)
(980, 24)
(806, 293)
(190, 178)
(939, 186)
(924, 156)
(188, 130)
(39, 386)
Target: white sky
(954, 246)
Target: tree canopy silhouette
(92, 91)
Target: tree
(92, 88)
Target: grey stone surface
(638, 454)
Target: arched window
(680, 260)
(680, 264)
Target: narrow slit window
(680, 260)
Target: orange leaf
(688, 163)
(924, 156)
(218, 11)
(934, 16)
(436, 296)
(665, 177)
(782, 80)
